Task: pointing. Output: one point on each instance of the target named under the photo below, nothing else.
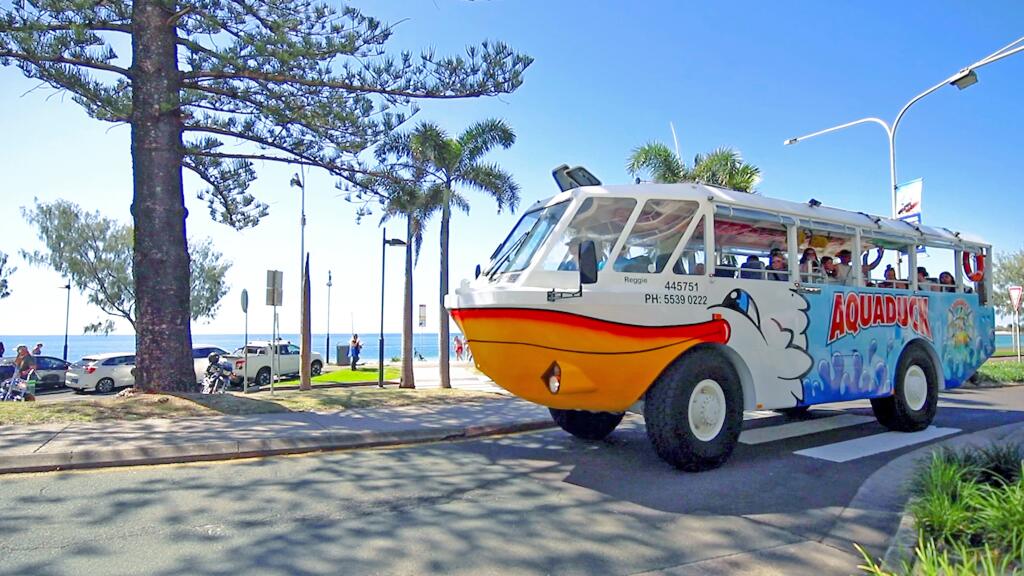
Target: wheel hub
(706, 412)
(915, 388)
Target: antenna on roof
(674, 139)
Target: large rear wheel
(915, 397)
(694, 411)
(586, 425)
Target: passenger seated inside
(828, 269)
(948, 282)
(844, 272)
(699, 269)
(752, 269)
(777, 268)
(810, 268)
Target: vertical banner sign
(423, 315)
(1015, 293)
(908, 203)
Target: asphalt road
(539, 503)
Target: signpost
(423, 315)
(275, 296)
(1015, 293)
(245, 342)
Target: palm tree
(446, 164)
(416, 205)
(722, 167)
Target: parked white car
(200, 358)
(102, 372)
(286, 361)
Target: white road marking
(802, 428)
(874, 444)
(755, 414)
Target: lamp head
(964, 79)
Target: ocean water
(81, 346)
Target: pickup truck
(286, 362)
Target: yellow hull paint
(603, 365)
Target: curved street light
(964, 78)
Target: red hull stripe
(716, 330)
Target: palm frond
(657, 161)
(494, 181)
(482, 137)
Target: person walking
(38, 350)
(458, 348)
(355, 345)
(2, 349)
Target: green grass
(336, 399)
(101, 409)
(358, 375)
(969, 509)
(1002, 371)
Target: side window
(198, 353)
(935, 270)
(598, 219)
(45, 364)
(750, 249)
(692, 261)
(655, 235)
(825, 257)
(293, 349)
(129, 360)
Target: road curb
(884, 495)
(326, 441)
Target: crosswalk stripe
(802, 428)
(874, 444)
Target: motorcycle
(17, 389)
(217, 379)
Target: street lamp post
(328, 345)
(964, 78)
(380, 342)
(67, 317)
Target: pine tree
(293, 81)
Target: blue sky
(608, 76)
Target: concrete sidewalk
(155, 441)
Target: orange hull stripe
(716, 330)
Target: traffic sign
(275, 290)
(1015, 293)
(245, 300)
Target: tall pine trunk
(408, 376)
(161, 263)
(442, 337)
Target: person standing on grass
(355, 345)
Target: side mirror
(588, 262)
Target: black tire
(667, 407)
(905, 411)
(263, 377)
(586, 425)
(316, 368)
(105, 386)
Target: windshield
(526, 238)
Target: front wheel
(263, 377)
(694, 411)
(915, 397)
(586, 425)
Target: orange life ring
(976, 273)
